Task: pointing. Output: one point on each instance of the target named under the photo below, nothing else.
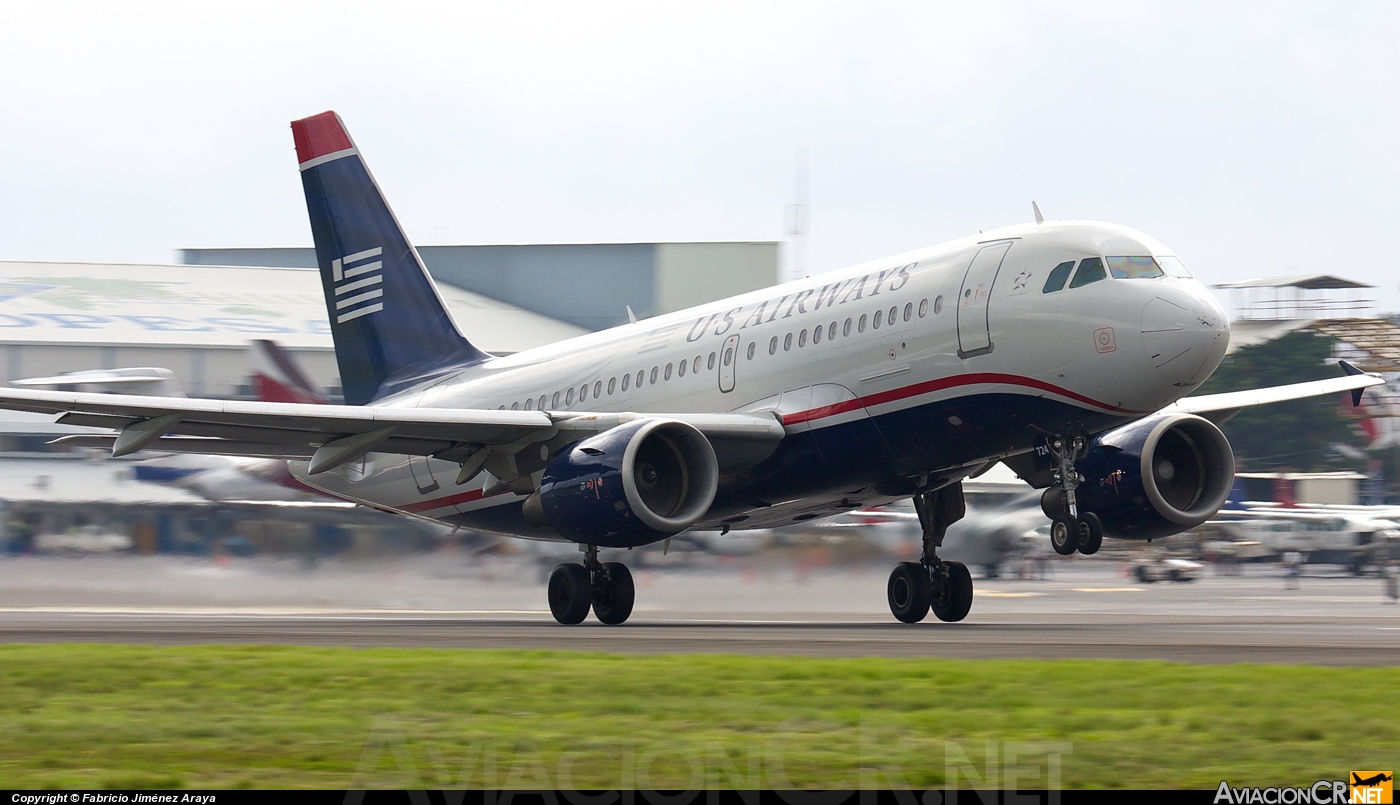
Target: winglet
(1039, 219)
(1355, 393)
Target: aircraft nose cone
(1185, 337)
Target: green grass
(76, 716)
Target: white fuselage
(936, 337)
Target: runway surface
(1086, 609)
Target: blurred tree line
(1300, 435)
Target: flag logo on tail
(357, 284)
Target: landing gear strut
(606, 587)
(932, 583)
(1070, 529)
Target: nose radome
(1185, 337)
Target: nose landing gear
(1070, 529)
(932, 583)
(606, 588)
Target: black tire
(1090, 533)
(955, 600)
(1064, 536)
(908, 592)
(1142, 576)
(1052, 502)
(570, 593)
(613, 597)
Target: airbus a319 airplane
(1062, 348)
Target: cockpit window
(1132, 268)
(1058, 275)
(1173, 266)
(1090, 270)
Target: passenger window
(816, 335)
(612, 385)
(515, 406)
(923, 308)
(554, 401)
(802, 339)
(1057, 277)
(583, 392)
(773, 346)
(728, 355)
(654, 372)
(860, 328)
(680, 368)
(1132, 268)
(668, 371)
(831, 332)
(1090, 270)
(710, 364)
(879, 314)
(846, 328)
(530, 404)
(597, 389)
(787, 342)
(626, 381)
(641, 375)
(695, 367)
(894, 315)
(752, 346)
(938, 305)
(542, 401)
(908, 311)
(569, 398)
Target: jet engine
(1156, 477)
(632, 485)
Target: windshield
(1173, 266)
(1131, 268)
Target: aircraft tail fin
(390, 326)
(277, 378)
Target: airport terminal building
(197, 318)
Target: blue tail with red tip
(390, 326)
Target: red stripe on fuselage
(442, 503)
(977, 378)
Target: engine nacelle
(632, 485)
(1157, 477)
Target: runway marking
(1109, 590)
(1004, 594)
(264, 611)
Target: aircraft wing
(1224, 406)
(333, 434)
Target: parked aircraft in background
(1354, 536)
(1064, 349)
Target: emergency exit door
(728, 356)
(974, 321)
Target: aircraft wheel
(954, 601)
(908, 592)
(1064, 535)
(1090, 533)
(614, 594)
(570, 593)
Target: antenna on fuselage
(631, 317)
(1039, 219)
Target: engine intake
(1157, 477)
(632, 485)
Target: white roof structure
(107, 304)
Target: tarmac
(1085, 608)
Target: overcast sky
(1249, 137)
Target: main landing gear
(1070, 529)
(932, 583)
(606, 587)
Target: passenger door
(974, 322)
(728, 357)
